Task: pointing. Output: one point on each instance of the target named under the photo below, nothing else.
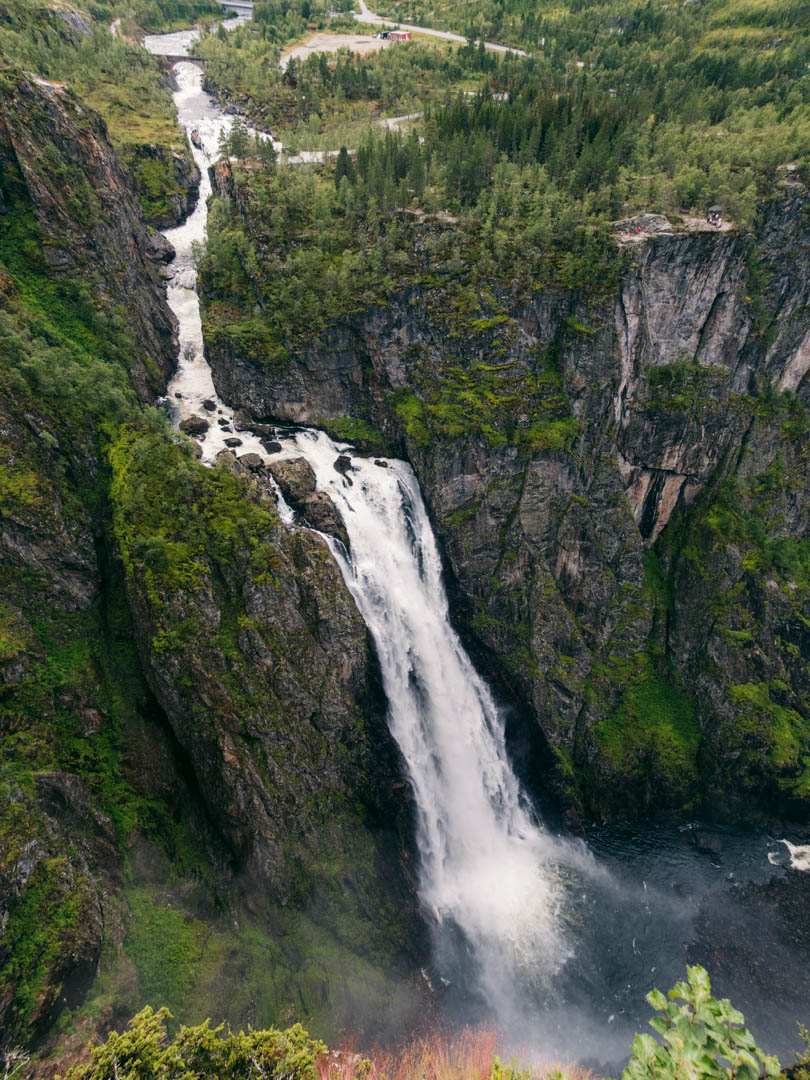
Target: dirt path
(323, 42)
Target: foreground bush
(144, 1052)
(702, 1038)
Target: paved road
(364, 15)
(367, 16)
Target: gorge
(453, 669)
(499, 888)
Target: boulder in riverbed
(229, 462)
(194, 425)
(343, 465)
(209, 405)
(295, 478)
(233, 442)
(252, 462)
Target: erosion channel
(552, 938)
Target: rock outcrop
(167, 180)
(57, 158)
(185, 687)
(622, 499)
(297, 482)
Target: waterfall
(488, 871)
(489, 874)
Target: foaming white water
(488, 872)
(487, 868)
(799, 855)
(192, 383)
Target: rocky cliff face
(621, 487)
(59, 167)
(166, 179)
(186, 690)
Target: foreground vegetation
(700, 1037)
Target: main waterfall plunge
(533, 931)
(488, 871)
(490, 875)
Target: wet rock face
(297, 482)
(590, 569)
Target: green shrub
(703, 1037)
(144, 1052)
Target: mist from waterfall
(547, 939)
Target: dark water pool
(659, 897)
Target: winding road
(366, 16)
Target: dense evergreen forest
(196, 844)
(520, 165)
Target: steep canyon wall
(620, 483)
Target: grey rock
(158, 248)
(194, 425)
(295, 478)
(319, 512)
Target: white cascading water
(487, 868)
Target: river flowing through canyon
(554, 939)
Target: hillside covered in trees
(498, 267)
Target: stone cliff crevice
(683, 478)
